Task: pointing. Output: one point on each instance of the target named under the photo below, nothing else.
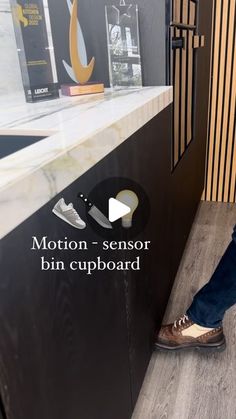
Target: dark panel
(70, 342)
(188, 176)
(202, 83)
(11, 143)
(146, 159)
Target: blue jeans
(219, 294)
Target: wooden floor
(191, 385)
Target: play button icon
(117, 210)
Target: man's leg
(218, 295)
(201, 326)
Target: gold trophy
(80, 73)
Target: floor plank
(191, 385)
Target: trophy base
(81, 89)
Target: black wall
(91, 14)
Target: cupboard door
(184, 40)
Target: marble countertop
(80, 132)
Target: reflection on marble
(88, 128)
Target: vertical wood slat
(220, 95)
(213, 97)
(176, 9)
(226, 100)
(192, 14)
(184, 14)
(221, 154)
(176, 104)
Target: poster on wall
(32, 46)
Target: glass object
(123, 45)
(31, 25)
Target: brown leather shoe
(170, 337)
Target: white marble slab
(81, 132)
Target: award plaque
(33, 50)
(80, 71)
(123, 45)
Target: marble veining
(81, 131)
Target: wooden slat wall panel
(221, 150)
(192, 15)
(176, 9)
(184, 11)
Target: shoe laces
(71, 207)
(182, 320)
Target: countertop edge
(21, 197)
